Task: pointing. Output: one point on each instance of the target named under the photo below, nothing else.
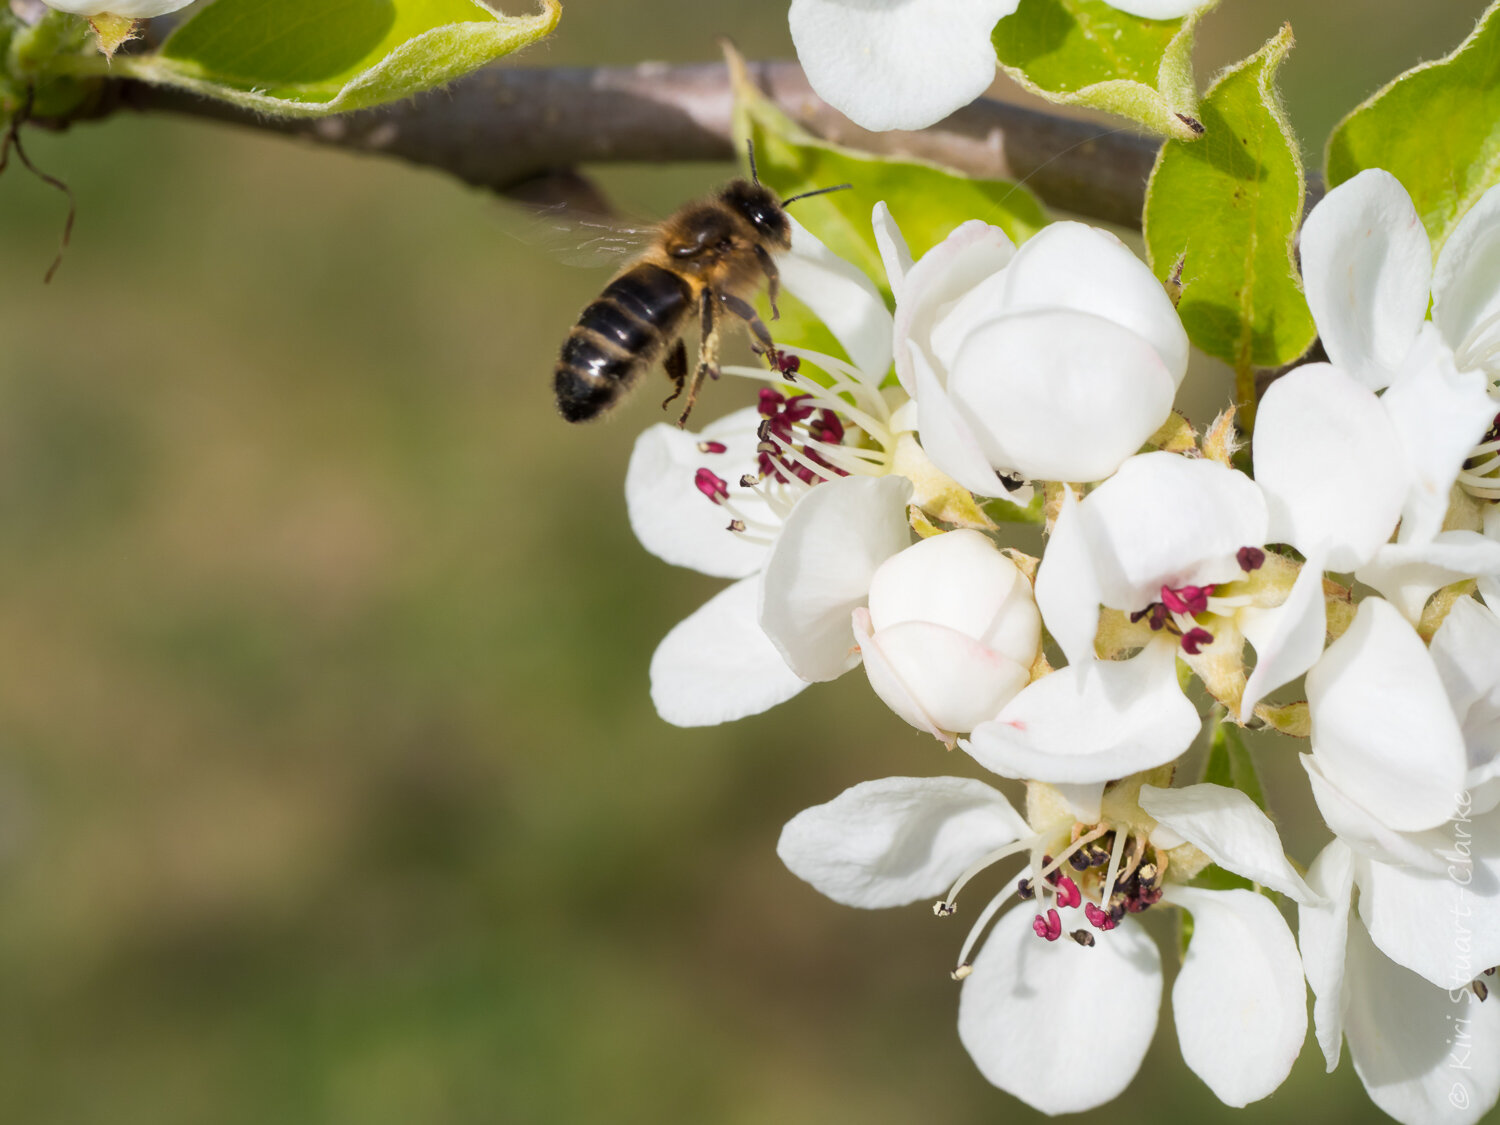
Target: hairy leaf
(1436, 128)
(315, 57)
(1085, 52)
(1224, 211)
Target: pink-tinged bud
(1195, 640)
(1048, 928)
(1250, 558)
(712, 486)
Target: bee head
(760, 208)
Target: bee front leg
(773, 277)
(676, 365)
(746, 312)
(708, 352)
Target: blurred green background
(330, 790)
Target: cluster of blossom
(850, 509)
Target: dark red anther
(1196, 639)
(1049, 928)
(1190, 600)
(711, 486)
(1098, 918)
(712, 447)
(1068, 893)
(1250, 558)
(828, 428)
(769, 402)
(1155, 615)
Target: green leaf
(1229, 762)
(316, 57)
(1226, 208)
(1436, 128)
(1086, 52)
(926, 199)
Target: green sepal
(310, 58)
(1088, 53)
(1436, 128)
(1227, 208)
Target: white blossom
(1060, 1005)
(1055, 361)
(950, 634)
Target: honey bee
(707, 261)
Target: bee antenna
(819, 191)
(750, 149)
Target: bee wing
(579, 238)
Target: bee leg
(773, 276)
(676, 365)
(708, 353)
(746, 312)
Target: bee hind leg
(676, 365)
(708, 355)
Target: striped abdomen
(619, 336)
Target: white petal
(1074, 266)
(1403, 1037)
(1157, 9)
(1332, 465)
(1466, 283)
(1239, 1002)
(1365, 833)
(1227, 826)
(887, 683)
(894, 253)
(1443, 926)
(973, 252)
(1323, 934)
(1367, 266)
(1466, 651)
(962, 581)
(958, 682)
(897, 840)
(1489, 587)
(1067, 587)
(1059, 395)
(1409, 573)
(1382, 729)
(1288, 638)
(897, 64)
(1164, 519)
(1092, 722)
(820, 569)
(948, 440)
(717, 665)
(1030, 1005)
(841, 297)
(133, 9)
(678, 523)
(1440, 414)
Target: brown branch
(503, 126)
